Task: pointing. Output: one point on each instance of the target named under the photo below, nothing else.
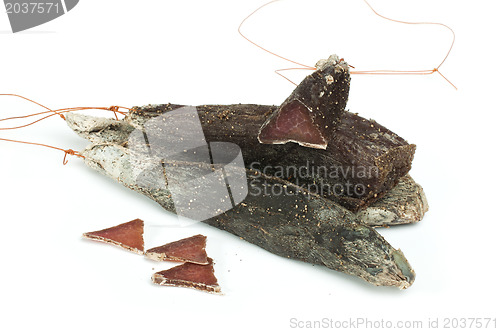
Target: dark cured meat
(362, 161)
(127, 235)
(191, 249)
(189, 275)
(310, 115)
(405, 203)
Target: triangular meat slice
(191, 249)
(312, 113)
(127, 236)
(189, 275)
(292, 123)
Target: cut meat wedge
(127, 236)
(313, 111)
(191, 249)
(293, 124)
(189, 275)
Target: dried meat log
(403, 204)
(291, 222)
(362, 162)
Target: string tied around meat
(48, 114)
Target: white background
(128, 53)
